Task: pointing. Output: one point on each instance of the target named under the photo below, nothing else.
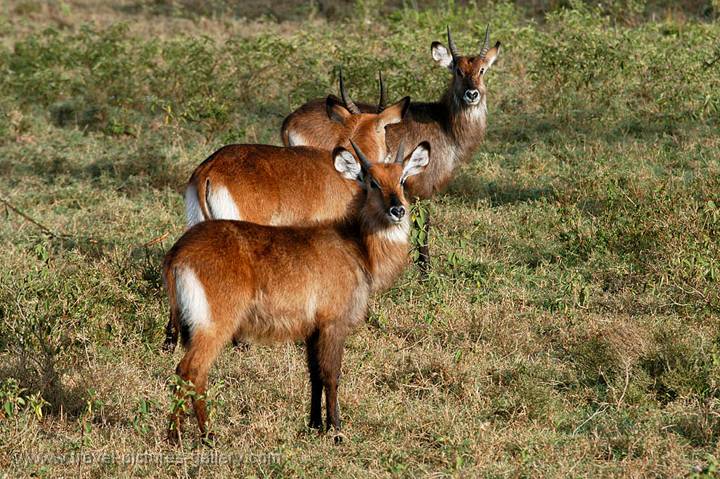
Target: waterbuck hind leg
(171, 337)
(193, 370)
(316, 383)
(177, 415)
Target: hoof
(169, 345)
(173, 436)
(338, 438)
(316, 425)
(240, 344)
(210, 440)
(423, 269)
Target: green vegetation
(571, 323)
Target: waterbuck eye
(374, 185)
(459, 71)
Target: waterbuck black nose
(472, 95)
(397, 211)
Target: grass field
(571, 323)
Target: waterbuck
(454, 125)
(229, 279)
(279, 186)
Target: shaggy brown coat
(230, 279)
(453, 128)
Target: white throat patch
(477, 112)
(397, 233)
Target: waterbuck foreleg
(316, 383)
(330, 351)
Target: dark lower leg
(171, 336)
(239, 343)
(331, 404)
(316, 384)
(330, 350)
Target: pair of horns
(351, 106)
(399, 156)
(483, 51)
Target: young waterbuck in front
(454, 126)
(284, 186)
(231, 278)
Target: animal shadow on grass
(523, 131)
(506, 138)
(469, 189)
(38, 374)
(133, 172)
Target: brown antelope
(268, 283)
(282, 186)
(454, 126)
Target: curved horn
(486, 45)
(400, 155)
(451, 45)
(365, 163)
(352, 108)
(383, 94)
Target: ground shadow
(515, 132)
(469, 189)
(38, 374)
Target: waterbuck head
(383, 182)
(366, 129)
(468, 87)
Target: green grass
(569, 328)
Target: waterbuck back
(274, 185)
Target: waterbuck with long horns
(454, 126)
(296, 131)
(287, 185)
(232, 278)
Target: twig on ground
(596, 413)
(28, 218)
(627, 383)
(157, 240)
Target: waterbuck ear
(416, 162)
(395, 112)
(492, 55)
(335, 109)
(441, 55)
(346, 164)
